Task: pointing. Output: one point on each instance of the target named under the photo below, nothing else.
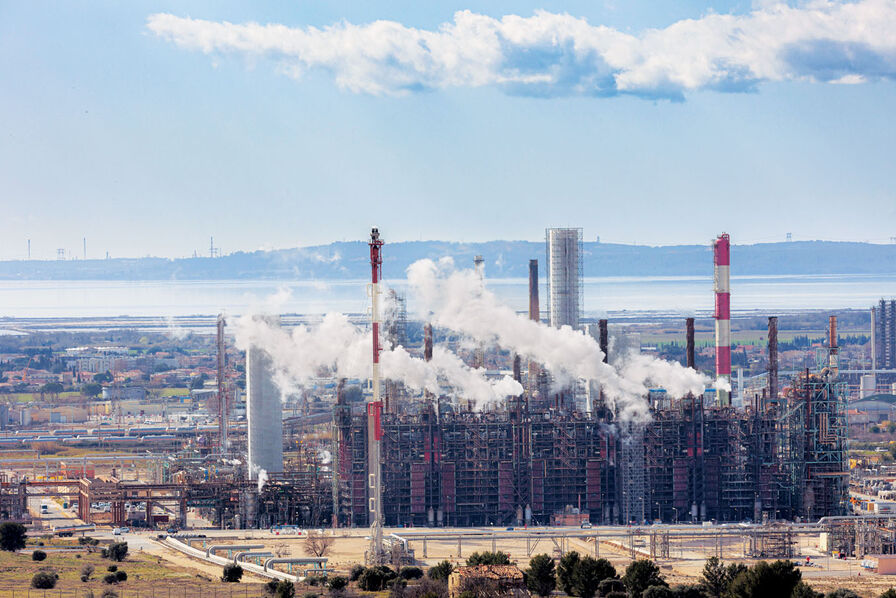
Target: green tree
(488, 558)
(371, 580)
(890, 593)
(589, 573)
(640, 575)
(658, 592)
(232, 573)
(92, 389)
(117, 551)
(566, 570)
(285, 589)
(198, 381)
(768, 580)
(715, 578)
(608, 586)
(804, 590)
(12, 536)
(541, 577)
(410, 573)
(441, 571)
(337, 584)
(104, 377)
(689, 591)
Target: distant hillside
(504, 259)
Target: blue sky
(136, 137)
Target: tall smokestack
(833, 349)
(427, 342)
(517, 369)
(773, 358)
(604, 339)
(873, 340)
(222, 389)
(722, 275)
(689, 350)
(535, 316)
(375, 554)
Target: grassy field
(147, 576)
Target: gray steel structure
(885, 334)
(264, 412)
(564, 263)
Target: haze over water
(685, 295)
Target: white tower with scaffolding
(564, 260)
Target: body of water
(680, 295)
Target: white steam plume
(337, 347)
(457, 301)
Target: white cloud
(551, 54)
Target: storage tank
(868, 386)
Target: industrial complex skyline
(127, 130)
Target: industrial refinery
(466, 415)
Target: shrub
(841, 593)
(12, 536)
(356, 572)
(87, 570)
(410, 573)
(117, 551)
(38, 555)
(441, 571)
(108, 593)
(84, 578)
(121, 576)
(371, 580)
(112, 568)
(232, 573)
(310, 595)
(44, 580)
(271, 587)
(337, 583)
(110, 578)
(285, 589)
(658, 592)
(891, 593)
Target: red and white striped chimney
(722, 262)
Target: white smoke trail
(457, 301)
(336, 347)
(260, 473)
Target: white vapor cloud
(456, 300)
(337, 347)
(549, 54)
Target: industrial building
(779, 458)
(884, 333)
(537, 457)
